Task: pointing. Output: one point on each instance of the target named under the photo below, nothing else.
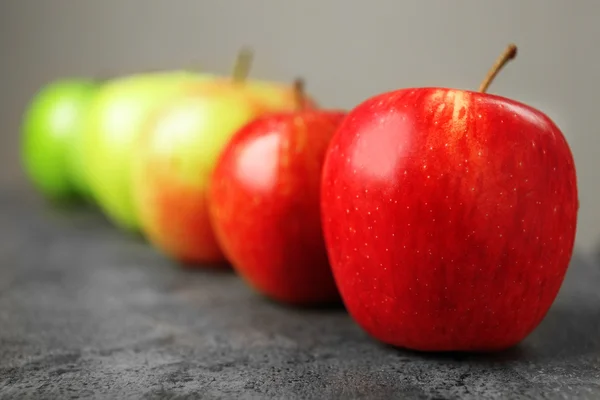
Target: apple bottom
(176, 221)
(275, 246)
(466, 304)
(289, 276)
(288, 284)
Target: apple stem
(242, 66)
(509, 53)
(299, 93)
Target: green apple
(115, 118)
(51, 132)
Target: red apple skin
(264, 202)
(449, 218)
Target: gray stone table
(87, 312)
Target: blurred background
(346, 50)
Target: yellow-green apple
(51, 133)
(119, 113)
(449, 216)
(175, 158)
(115, 118)
(264, 205)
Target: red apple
(264, 205)
(449, 217)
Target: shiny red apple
(449, 217)
(264, 202)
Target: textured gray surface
(86, 312)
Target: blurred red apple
(264, 205)
(449, 216)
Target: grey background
(347, 51)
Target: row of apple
(444, 219)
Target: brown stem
(242, 66)
(299, 94)
(505, 57)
